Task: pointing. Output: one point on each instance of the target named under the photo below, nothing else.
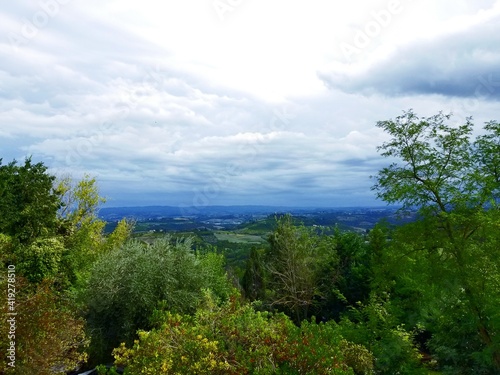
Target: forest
(422, 297)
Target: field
(239, 238)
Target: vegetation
(127, 285)
(50, 235)
(417, 298)
(451, 254)
(235, 339)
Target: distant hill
(146, 212)
(252, 218)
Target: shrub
(235, 339)
(374, 326)
(49, 336)
(40, 259)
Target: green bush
(375, 327)
(127, 284)
(235, 339)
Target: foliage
(432, 285)
(345, 272)
(79, 200)
(375, 326)
(308, 272)
(119, 236)
(49, 335)
(234, 339)
(127, 284)
(292, 268)
(83, 230)
(52, 231)
(458, 302)
(254, 276)
(28, 201)
(453, 249)
(51, 234)
(40, 259)
(6, 252)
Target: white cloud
(170, 104)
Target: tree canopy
(28, 201)
(453, 249)
(438, 166)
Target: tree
(353, 267)
(292, 269)
(127, 284)
(120, 235)
(311, 272)
(454, 183)
(28, 201)
(51, 234)
(254, 278)
(49, 334)
(81, 228)
(51, 228)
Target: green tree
(292, 268)
(51, 228)
(310, 272)
(343, 272)
(353, 267)
(28, 201)
(375, 326)
(120, 235)
(127, 284)
(454, 183)
(50, 232)
(41, 259)
(83, 230)
(254, 278)
(377, 244)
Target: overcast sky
(203, 102)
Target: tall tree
(254, 278)
(292, 269)
(454, 183)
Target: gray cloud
(464, 64)
(87, 95)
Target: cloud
(463, 64)
(226, 112)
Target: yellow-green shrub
(235, 339)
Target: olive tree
(128, 284)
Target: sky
(236, 102)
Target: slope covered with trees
(418, 298)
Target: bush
(126, 285)
(49, 335)
(235, 339)
(375, 327)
